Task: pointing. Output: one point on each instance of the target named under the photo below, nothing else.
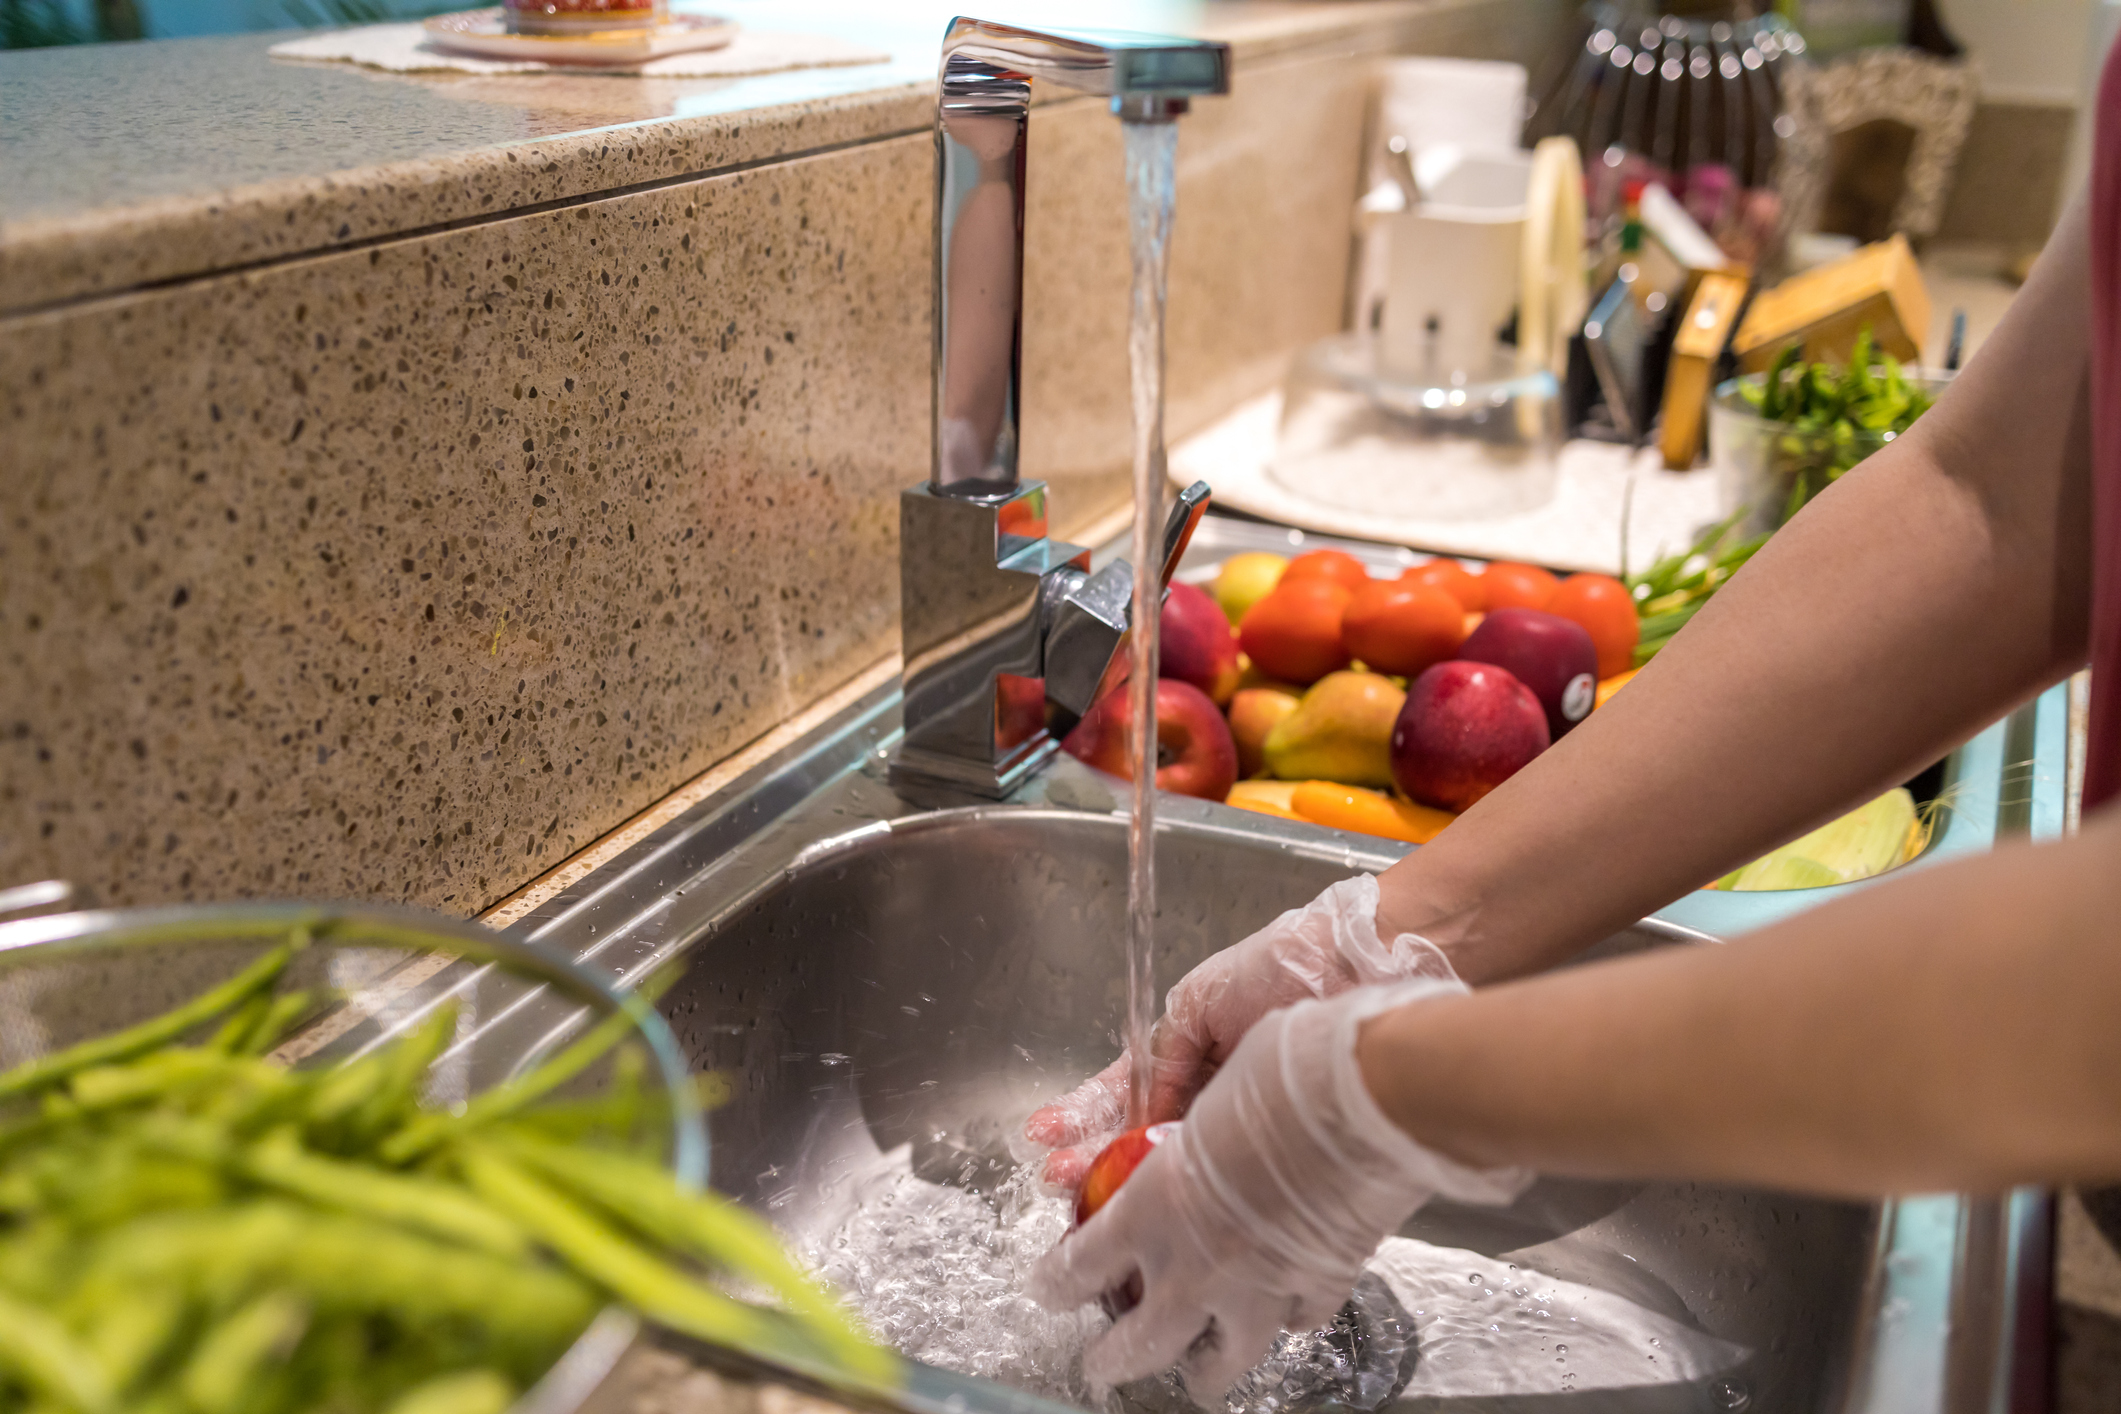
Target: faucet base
(972, 577)
(913, 767)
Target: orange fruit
(1449, 575)
(1514, 586)
(1606, 611)
(1294, 633)
(1397, 627)
(1608, 686)
(1368, 812)
(1335, 566)
(1266, 807)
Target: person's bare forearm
(1954, 1029)
(1919, 598)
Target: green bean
(45, 1356)
(462, 1392)
(235, 1350)
(106, 1087)
(702, 1225)
(234, 1031)
(430, 1130)
(128, 1329)
(341, 1262)
(396, 1097)
(341, 1092)
(598, 1252)
(430, 1207)
(278, 1018)
(156, 1031)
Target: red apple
(1114, 1164)
(1196, 643)
(1019, 709)
(1549, 654)
(1194, 751)
(1466, 728)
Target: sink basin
(928, 983)
(897, 981)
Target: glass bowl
(361, 979)
(1358, 436)
(1768, 469)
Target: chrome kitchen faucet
(986, 597)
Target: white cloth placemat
(409, 48)
(1578, 530)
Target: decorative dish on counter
(559, 33)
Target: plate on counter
(486, 33)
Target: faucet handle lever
(1186, 511)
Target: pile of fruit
(1307, 688)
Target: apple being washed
(1196, 644)
(1549, 654)
(1466, 728)
(1114, 1164)
(1194, 752)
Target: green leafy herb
(1671, 591)
(1833, 417)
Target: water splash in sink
(938, 1273)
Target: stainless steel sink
(876, 971)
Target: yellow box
(1878, 286)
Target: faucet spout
(997, 619)
(982, 113)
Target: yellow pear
(1341, 731)
(1254, 712)
(1245, 580)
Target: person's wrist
(1401, 1065)
(1408, 902)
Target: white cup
(1453, 266)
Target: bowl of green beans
(1779, 438)
(285, 1159)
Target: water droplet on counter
(1474, 1278)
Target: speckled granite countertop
(130, 164)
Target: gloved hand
(1320, 950)
(1259, 1211)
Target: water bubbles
(1730, 1394)
(938, 1273)
(1561, 1349)
(1474, 1278)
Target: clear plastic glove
(1259, 1211)
(1325, 948)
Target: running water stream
(1152, 193)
